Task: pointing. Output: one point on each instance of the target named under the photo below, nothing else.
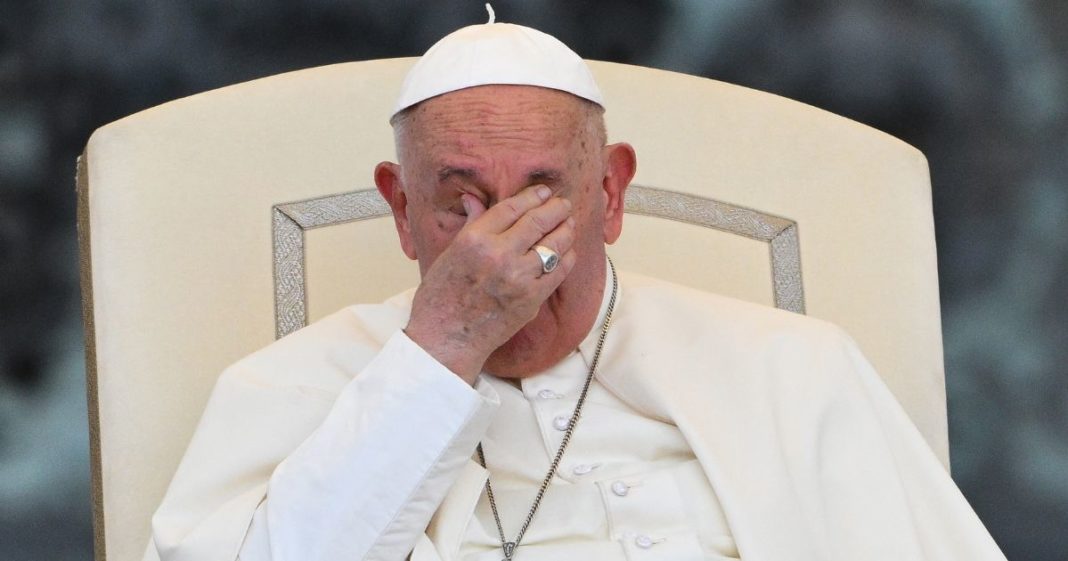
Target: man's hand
(488, 283)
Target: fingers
(538, 223)
(521, 220)
(472, 206)
(528, 218)
(505, 213)
(559, 240)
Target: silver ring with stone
(549, 258)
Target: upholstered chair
(213, 224)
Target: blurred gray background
(980, 86)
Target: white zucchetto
(497, 53)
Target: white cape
(809, 453)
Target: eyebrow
(543, 176)
(471, 174)
(465, 173)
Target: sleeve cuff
(435, 372)
(367, 481)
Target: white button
(620, 488)
(547, 394)
(583, 469)
(643, 541)
(560, 423)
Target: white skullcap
(497, 53)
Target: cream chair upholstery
(211, 224)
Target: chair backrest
(213, 223)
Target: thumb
(472, 206)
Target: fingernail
(544, 193)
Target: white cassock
(715, 429)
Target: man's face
(492, 142)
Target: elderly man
(529, 402)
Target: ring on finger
(549, 258)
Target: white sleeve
(365, 484)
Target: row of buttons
(560, 423)
(619, 488)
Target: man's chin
(529, 352)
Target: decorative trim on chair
(780, 233)
(291, 220)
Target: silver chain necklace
(509, 547)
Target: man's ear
(391, 186)
(620, 164)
